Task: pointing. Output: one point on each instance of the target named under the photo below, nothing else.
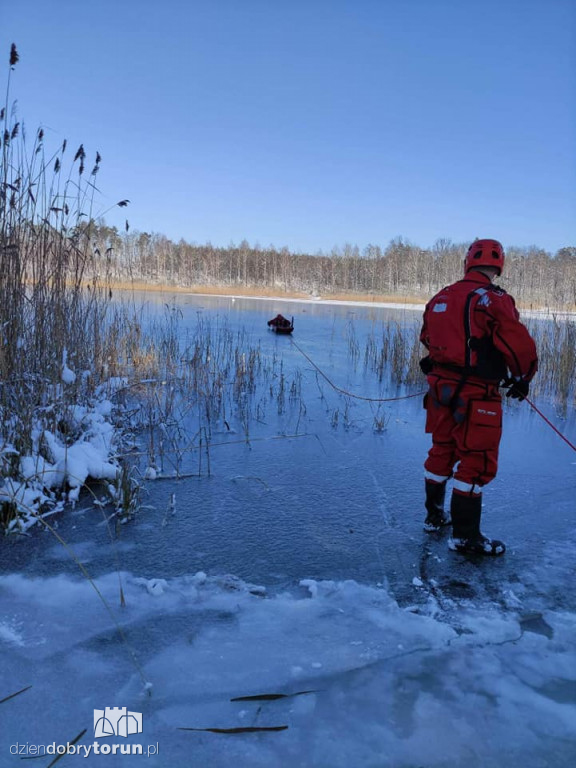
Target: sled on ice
(281, 324)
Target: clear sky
(312, 123)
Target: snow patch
(67, 374)
(361, 677)
(63, 459)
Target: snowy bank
(352, 678)
(62, 459)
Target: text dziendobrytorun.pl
(84, 750)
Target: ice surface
(378, 684)
(300, 568)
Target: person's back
(473, 334)
(474, 325)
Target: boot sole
(496, 550)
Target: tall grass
(205, 383)
(60, 334)
(393, 353)
(556, 342)
(47, 317)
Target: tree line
(532, 274)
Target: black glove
(426, 365)
(518, 390)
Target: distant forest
(532, 275)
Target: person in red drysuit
(279, 322)
(475, 340)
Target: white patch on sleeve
(441, 307)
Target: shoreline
(318, 300)
(409, 303)
(225, 292)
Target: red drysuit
(474, 337)
(279, 322)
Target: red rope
(417, 394)
(351, 394)
(539, 412)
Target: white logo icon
(116, 721)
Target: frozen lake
(300, 564)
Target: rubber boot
(436, 517)
(466, 536)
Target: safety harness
(467, 370)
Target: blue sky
(312, 123)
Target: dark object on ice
(247, 729)
(436, 517)
(466, 536)
(12, 695)
(271, 696)
(281, 324)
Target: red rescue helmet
(485, 253)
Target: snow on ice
(366, 682)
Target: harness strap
(467, 323)
(453, 402)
